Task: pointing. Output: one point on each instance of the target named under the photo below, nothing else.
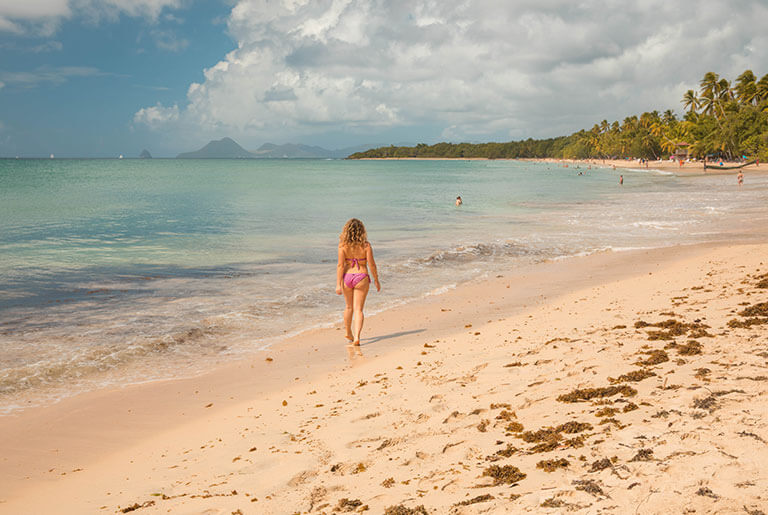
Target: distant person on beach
(740, 178)
(621, 180)
(352, 279)
(459, 201)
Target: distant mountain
(145, 154)
(225, 148)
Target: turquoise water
(109, 264)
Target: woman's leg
(360, 292)
(348, 299)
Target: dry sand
(542, 390)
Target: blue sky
(108, 77)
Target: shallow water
(119, 271)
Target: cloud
(168, 40)
(156, 116)
(42, 17)
(57, 75)
(470, 69)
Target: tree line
(722, 120)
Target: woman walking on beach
(352, 279)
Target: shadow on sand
(375, 339)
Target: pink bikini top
(356, 262)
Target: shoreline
(96, 430)
(689, 168)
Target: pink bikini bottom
(351, 280)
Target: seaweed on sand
(589, 486)
(508, 451)
(504, 475)
(707, 403)
(514, 427)
(475, 500)
(689, 349)
(655, 357)
(757, 310)
(574, 427)
(403, 510)
(631, 406)
(586, 394)
(542, 435)
(634, 376)
(671, 328)
(600, 464)
(137, 506)
(606, 412)
(506, 415)
(643, 455)
(552, 465)
(553, 503)
(746, 323)
(348, 504)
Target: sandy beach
(618, 382)
(688, 168)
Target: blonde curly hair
(353, 234)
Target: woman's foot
(356, 343)
(350, 337)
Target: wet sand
(615, 382)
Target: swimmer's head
(353, 233)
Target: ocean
(114, 272)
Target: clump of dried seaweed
(508, 451)
(671, 328)
(589, 486)
(707, 403)
(504, 475)
(606, 412)
(643, 455)
(746, 323)
(756, 310)
(475, 500)
(403, 510)
(600, 464)
(552, 465)
(691, 348)
(553, 503)
(633, 377)
(586, 394)
(348, 504)
(655, 357)
(506, 415)
(514, 427)
(630, 406)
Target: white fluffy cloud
(42, 16)
(156, 116)
(468, 68)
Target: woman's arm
(339, 270)
(372, 265)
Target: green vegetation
(722, 119)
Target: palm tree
(709, 92)
(746, 87)
(690, 101)
(762, 88)
(709, 83)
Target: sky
(100, 78)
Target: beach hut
(682, 151)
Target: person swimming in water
(459, 201)
(352, 279)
